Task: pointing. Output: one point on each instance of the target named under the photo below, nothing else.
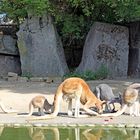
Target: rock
(106, 45)
(22, 79)
(8, 45)
(12, 74)
(12, 79)
(40, 48)
(53, 79)
(36, 79)
(9, 64)
(134, 51)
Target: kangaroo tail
(118, 113)
(51, 116)
(7, 110)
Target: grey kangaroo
(104, 92)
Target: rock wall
(106, 45)
(134, 50)
(41, 51)
(9, 64)
(40, 48)
(9, 56)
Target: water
(69, 133)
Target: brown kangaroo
(41, 103)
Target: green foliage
(72, 26)
(74, 17)
(27, 74)
(101, 73)
(17, 9)
(128, 10)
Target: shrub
(101, 73)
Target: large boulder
(9, 55)
(134, 51)
(9, 63)
(40, 48)
(106, 45)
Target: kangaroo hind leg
(31, 108)
(70, 107)
(77, 106)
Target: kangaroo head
(48, 107)
(100, 106)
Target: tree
(72, 12)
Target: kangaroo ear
(103, 103)
(120, 95)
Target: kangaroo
(41, 103)
(89, 135)
(135, 109)
(104, 92)
(78, 89)
(40, 134)
(5, 110)
(130, 99)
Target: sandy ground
(17, 95)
